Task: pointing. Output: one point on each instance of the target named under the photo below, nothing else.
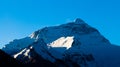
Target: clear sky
(19, 18)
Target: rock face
(6, 59)
(75, 44)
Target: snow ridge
(75, 44)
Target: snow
(92, 39)
(17, 45)
(58, 47)
(24, 52)
(79, 21)
(27, 51)
(76, 37)
(105, 55)
(32, 35)
(41, 48)
(62, 42)
(16, 55)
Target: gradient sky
(19, 18)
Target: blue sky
(19, 18)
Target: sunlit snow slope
(75, 44)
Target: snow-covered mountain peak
(74, 44)
(70, 29)
(79, 21)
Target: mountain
(16, 45)
(75, 44)
(6, 59)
